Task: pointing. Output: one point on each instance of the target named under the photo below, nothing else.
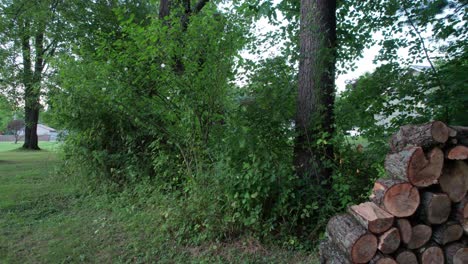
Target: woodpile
(419, 214)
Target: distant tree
(30, 34)
(16, 126)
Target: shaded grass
(48, 218)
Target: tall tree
(314, 117)
(31, 32)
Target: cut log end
(435, 207)
(401, 200)
(458, 153)
(389, 241)
(372, 217)
(430, 173)
(454, 179)
(421, 235)
(406, 257)
(364, 249)
(405, 229)
(439, 131)
(461, 256)
(432, 255)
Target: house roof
(46, 127)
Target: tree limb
(199, 6)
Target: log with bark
(411, 164)
(372, 217)
(397, 197)
(435, 207)
(425, 135)
(454, 180)
(447, 232)
(351, 238)
(421, 234)
(330, 254)
(404, 256)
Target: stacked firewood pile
(419, 214)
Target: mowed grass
(48, 218)
(43, 218)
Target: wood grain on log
(412, 165)
(397, 197)
(454, 180)
(431, 254)
(389, 241)
(330, 254)
(435, 207)
(355, 241)
(405, 229)
(421, 234)
(458, 153)
(424, 135)
(372, 217)
(405, 256)
(447, 232)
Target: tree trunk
(31, 93)
(314, 116)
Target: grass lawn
(47, 218)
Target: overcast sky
(363, 65)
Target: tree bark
(359, 245)
(314, 116)
(372, 217)
(425, 135)
(330, 254)
(31, 84)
